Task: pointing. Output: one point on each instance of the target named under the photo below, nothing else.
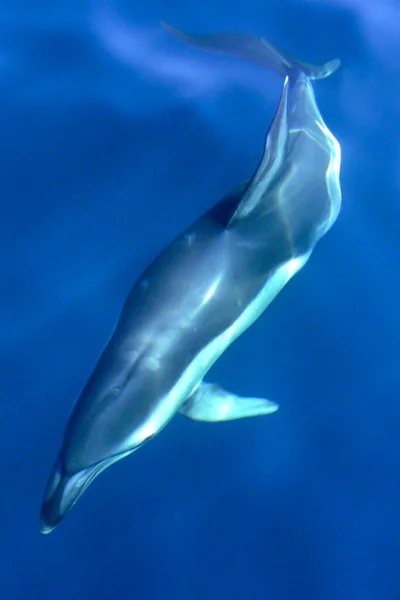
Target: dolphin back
(253, 49)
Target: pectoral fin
(211, 403)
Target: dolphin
(206, 288)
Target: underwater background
(114, 138)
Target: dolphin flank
(207, 287)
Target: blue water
(113, 139)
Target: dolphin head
(117, 412)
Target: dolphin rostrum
(206, 288)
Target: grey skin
(206, 288)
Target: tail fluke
(258, 50)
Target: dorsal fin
(271, 161)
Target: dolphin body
(206, 288)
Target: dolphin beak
(62, 491)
